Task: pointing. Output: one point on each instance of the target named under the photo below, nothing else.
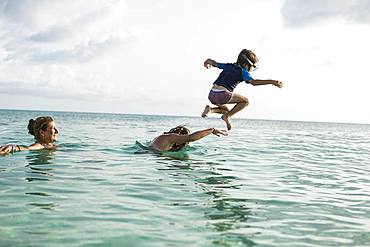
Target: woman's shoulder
(38, 145)
(164, 139)
(159, 142)
(35, 146)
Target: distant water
(269, 183)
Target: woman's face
(50, 134)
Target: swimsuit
(229, 78)
(219, 97)
(232, 75)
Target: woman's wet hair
(245, 53)
(40, 123)
(180, 130)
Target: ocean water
(269, 183)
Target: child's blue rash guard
(231, 76)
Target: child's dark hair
(243, 55)
(180, 130)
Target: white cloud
(68, 47)
(52, 30)
(300, 13)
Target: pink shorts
(219, 97)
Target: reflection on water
(37, 193)
(37, 179)
(40, 171)
(224, 213)
(41, 157)
(45, 206)
(176, 155)
(39, 162)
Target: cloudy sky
(146, 56)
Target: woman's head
(43, 129)
(248, 59)
(180, 130)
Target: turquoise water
(269, 183)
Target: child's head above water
(247, 59)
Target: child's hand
(278, 84)
(209, 63)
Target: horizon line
(166, 115)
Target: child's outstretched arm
(210, 63)
(266, 82)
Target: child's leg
(207, 110)
(240, 101)
(220, 109)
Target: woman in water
(179, 137)
(44, 131)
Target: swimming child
(44, 131)
(177, 138)
(232, 74)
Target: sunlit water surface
(269, 183)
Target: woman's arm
(10, 148)
(266, 82)
(164, 142)
(180, 139)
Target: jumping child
(232, 74)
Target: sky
(146, 56)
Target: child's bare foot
(206, 111)
(226, 118)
